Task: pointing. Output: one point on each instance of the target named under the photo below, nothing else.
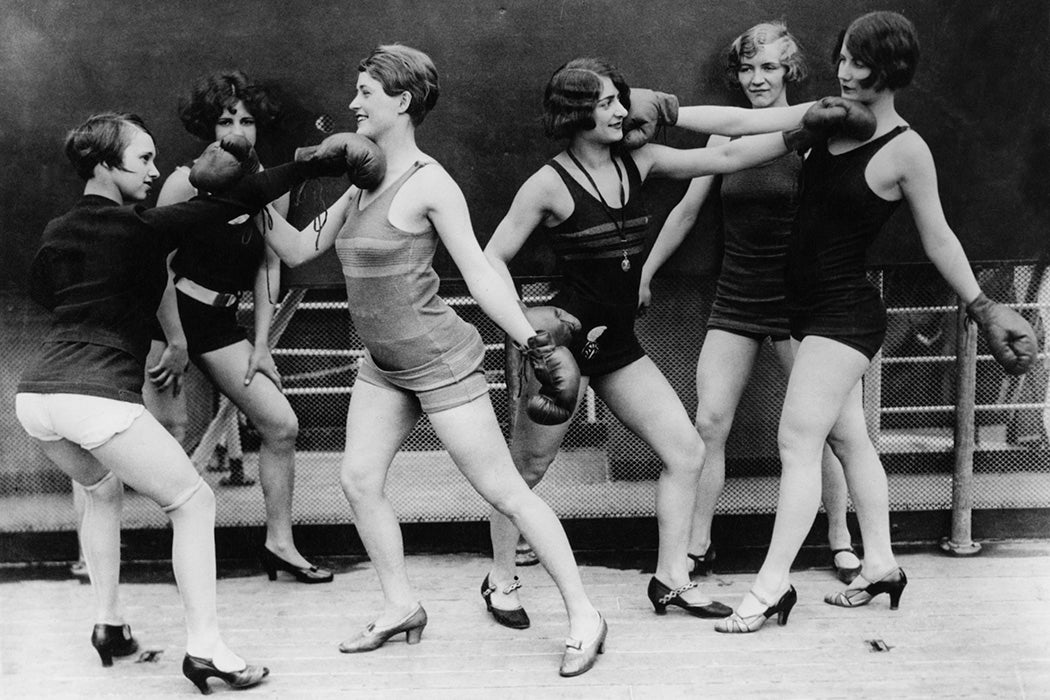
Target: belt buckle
(225, 299)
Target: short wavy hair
(765, 34)
(400, 68)
(885, 41)
(211, 94)
(102, 138)
(573, 92)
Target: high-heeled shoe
(113, 640)
(702, 562)
(846, 574)
(579, 657)
(736, 624)
(272, 563)
(661, 595)
(199, 670)
(517, 618)
(856, 594)
(371, 638)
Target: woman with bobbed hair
(100, 271)
(758, 209)
(588, 201)
(849, 189)
(421, 356)
(198, 316)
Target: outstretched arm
(747, 152)
(295, 247)
(740, 121)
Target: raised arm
(295, 247)
(739, 121)
(747, 152)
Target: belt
(205, 295)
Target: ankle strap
(674, 593)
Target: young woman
(101, 272)
(838, 320)
(199, 315)
(587, 198)
(758, 208)
(421, 356)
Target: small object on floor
(272, 563)
(150, 656)
(524, 555)
(236, 477)
(847, 573)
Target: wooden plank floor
(967, 627)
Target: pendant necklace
(625, 264)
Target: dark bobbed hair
(400, 68)
(766, 34)
(102, 138)
(211, 94)
(885, 41)
(572, 93)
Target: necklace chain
(620, 225)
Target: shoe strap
(492, 588)
(674, 593)
(512, 587)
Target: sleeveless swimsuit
(758, 209)
(601, 267)
(839, 216)
(415, 343)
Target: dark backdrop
(980, 99)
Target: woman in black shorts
(588, 201)
(758, 209)
(200, 316)
(838, 321)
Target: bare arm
(447, 210)
(747, 152)
(918, 183)
(740, 121)
(296, 247)
(526, 213)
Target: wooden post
(960, 542)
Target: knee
(109, 489)
(198, 500)
(281, 431)
(532, 465)
(687, 455)
(358, 483)
(713, 424)
(512, 502)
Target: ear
(405, 103)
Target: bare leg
(533, 448)
(268, 409)
(473, 439)
(824, 374)
(722, 372)
(645, 402)
(377, 422)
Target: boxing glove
(831, 116)
(357, 156)
(648, 110)
(1009, 336)
(559, 379)
(223, 163)
(558, 322)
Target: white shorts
(89, 421)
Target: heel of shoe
(414, 635)
(782, 617)
(106, 656)
(659, 609)
(271, 573)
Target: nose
(620, 109)
(354, 106)
(153, 172)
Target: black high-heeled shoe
(738, 624)
(272, 563)
(661, 595)
(517, 618)
(855, 596)
(371, 638)
(199, 670)
(846, 574)
(113, 640)
(702, 562)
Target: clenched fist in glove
(558, 322)
(648, 110)
(1010, 337)
(355, 155)
(223, 164)
(831, 116)
(559, 379)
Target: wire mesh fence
(603, 470)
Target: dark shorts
(859, 322)
(206, 327)
(607, 341)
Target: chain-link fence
(602, 470)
